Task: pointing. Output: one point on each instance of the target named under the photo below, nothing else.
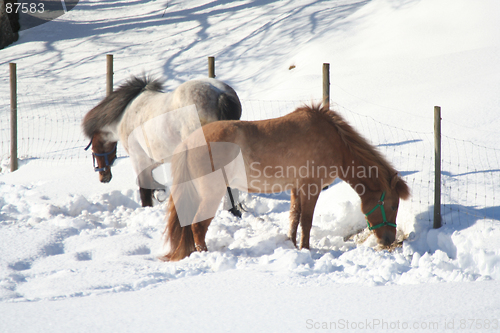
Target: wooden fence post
(13, 118)
(326, 91)
(109, 74)
(437, 167)
(326, 85)
(211, 67)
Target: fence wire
(49, 129)
(470, 173)
(49, 132)
(470, 178)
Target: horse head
(103, 155)
(381, 208)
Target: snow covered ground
(77, 255)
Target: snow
(249, 301)
(78, 255)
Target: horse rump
(229, 107)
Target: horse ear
(398, 184)
(394, 180)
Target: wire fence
(470, 173)
(470, 180)
(49, 132)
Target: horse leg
(211, 195)
(146, 184)
(231, 202)
(199, 232)
(294, 216)
(146, 197)
(307, 202)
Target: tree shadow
(455, 218)
(400, 143)
(198, 21)
(40, 12)
(449, 174)
(458, 217)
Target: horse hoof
(105, 178)
(235, 212)
(160, 195)
(201, 248)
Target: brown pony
(301, 152)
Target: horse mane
(359, 147)
(112, 107)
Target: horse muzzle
(386, 235)
(107, 158)
(105, 176)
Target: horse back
(214, 99)
(270, 146)
(275, 136)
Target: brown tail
(180, 238)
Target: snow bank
(63, 235)
(81, 245)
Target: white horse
(151, 123)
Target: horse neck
(364, 179)
(109, 133)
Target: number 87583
(24, 7)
